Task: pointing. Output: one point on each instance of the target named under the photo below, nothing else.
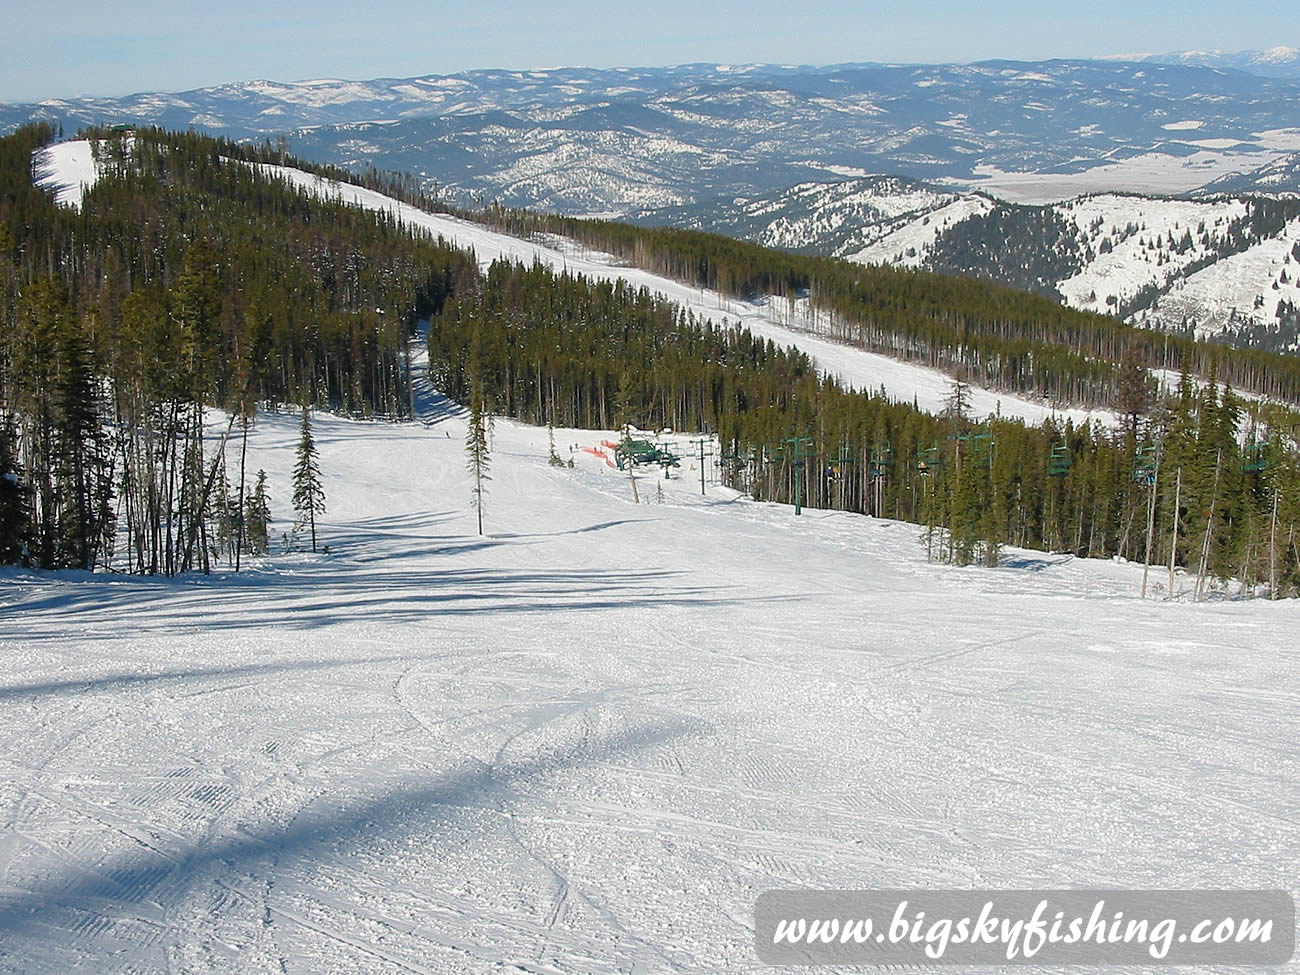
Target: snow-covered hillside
(587, 741)
(1140, 243)
(1155, 261)
(906, 245)
(1279, 61)
(771, 319)
(1245, 288)
(838, 218)
(783, 322)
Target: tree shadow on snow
(45, 909)
(1027, 564)
(329, 593)
(136, 679)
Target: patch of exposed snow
(69, 169)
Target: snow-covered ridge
(1160, 262)
(788, 323)
(1279, 61)
(685, 136)
(906, 245)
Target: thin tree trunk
(239, 517)
(1173, 542)
(1272, 549)
(1209, 527)
(1151, 525)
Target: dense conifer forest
(188, 280)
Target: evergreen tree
(957, 403)
(1134, 393)
(554, 458)
(476, 449)
(308, 494)
(257, 517)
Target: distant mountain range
(1276, 62)
(627, 142)
(925, 165)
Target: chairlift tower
(798, 453)
(882, 460)
(704, 447)
(1060, 462)
(666, 458)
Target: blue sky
(74, 47)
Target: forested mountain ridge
(789, 157)
(185, 281)
(1222, 267)
(191, 279)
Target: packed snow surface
(587, 740)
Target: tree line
(978, 331)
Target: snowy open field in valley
(586, 742)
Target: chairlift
(1144, 466)
(1254, 458)
(1060, 462)
(928, 460)
(882, 459)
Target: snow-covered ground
(68, 168)
(1155, 173)
(1247, 286)
(1134, 260)
(796, 322)
(586, 742)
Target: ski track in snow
(586, 742)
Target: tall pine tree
(308, 494)
(476, 449)
(257, 516)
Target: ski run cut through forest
(586, 739)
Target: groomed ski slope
(67, 168)
(586, 742)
